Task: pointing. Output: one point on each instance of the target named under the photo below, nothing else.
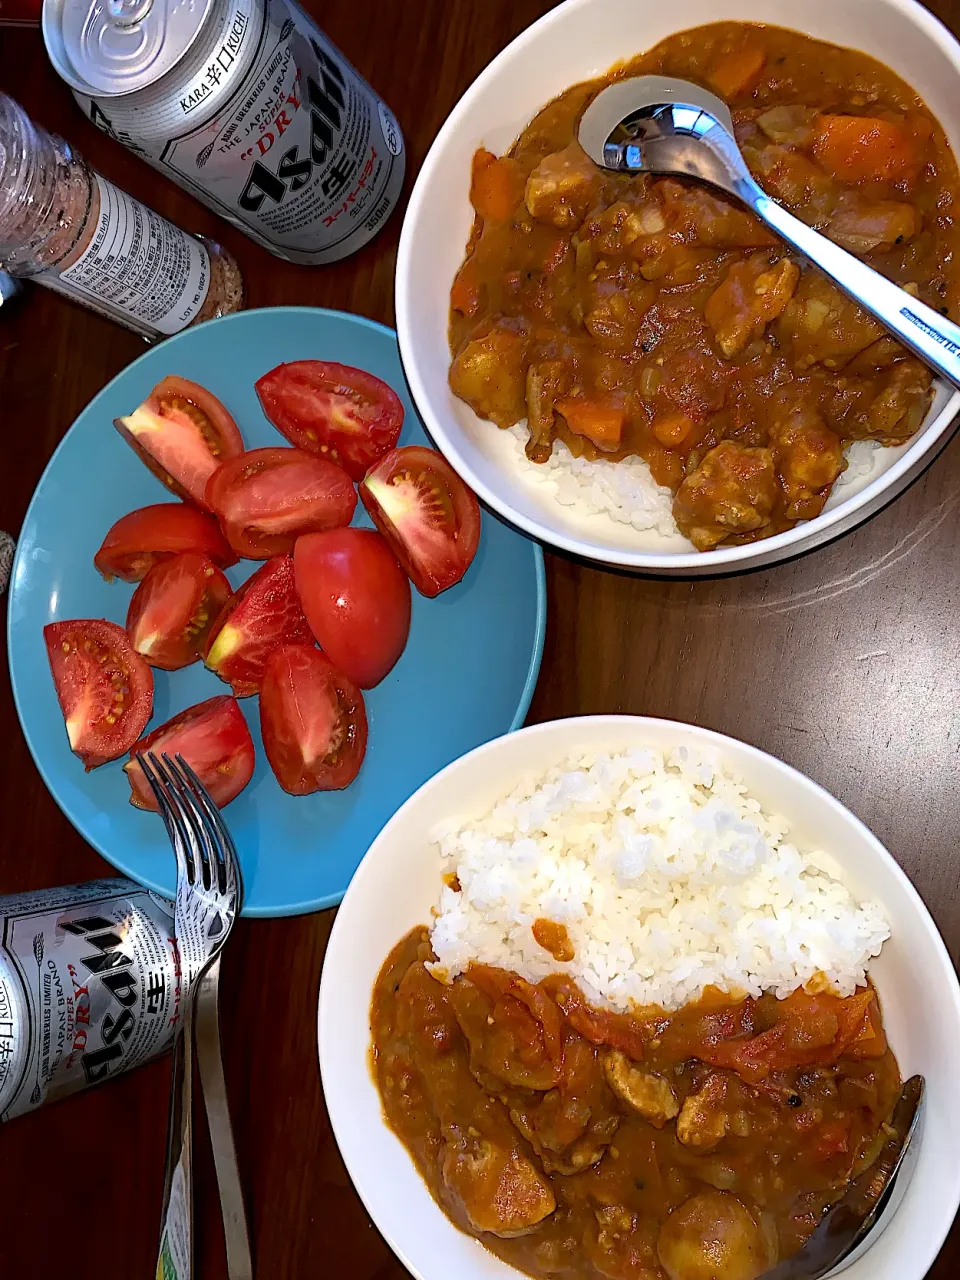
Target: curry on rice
(580, 1143)
(626, 315)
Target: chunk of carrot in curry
(737, 72)
(496, 186)
(465, 294)
(601, 423)
(671, 429)
(871, 1042)
(867, 148)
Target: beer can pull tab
(120, 46)
(127, 13)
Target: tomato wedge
(144, 537)
(182, 433)
(214, 740)
(427, 514)
(260, 615)
(334, 409)
(357, 600)
(174, 608)
(265, 498)
(105, 688)
(312, 720)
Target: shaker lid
(112, 47)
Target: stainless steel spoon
(656, 124)
(846, 1225)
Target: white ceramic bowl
(579, 40)
(399, 880)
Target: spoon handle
(933, 337)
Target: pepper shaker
(69, 229)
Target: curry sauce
(580, 1143)
(627, 315)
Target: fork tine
(170, 814)
(182, 817)
(193, 820)
(210, 825)
(225, 849)
(147, 763)
(193, 796)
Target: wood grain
(843, 663)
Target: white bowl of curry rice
(633, 369)
(616, 997)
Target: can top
(113, 47)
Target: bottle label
(175, 1246)
(139, 264)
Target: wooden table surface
(842, 663)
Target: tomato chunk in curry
(579, 1143)
(628, 315)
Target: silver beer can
(90, 985)
(244, 103)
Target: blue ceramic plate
(466, 675)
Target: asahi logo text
(293, 169)
(114, 970)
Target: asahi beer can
(89, 987)
(244, 103)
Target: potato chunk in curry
(486, 374)
(713, 1236)
(498, 1189)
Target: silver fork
(208, 899)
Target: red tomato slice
(312, 720)
(182, 433)
(144, 537)
(214, 740)
(334, 409)
(105, 688)
(174, 608)
(357, 600)
(427, 514)
(262, 614)
(267, 497)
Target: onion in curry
(581, 1144)
(627, 315)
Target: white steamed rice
(626, 491)
(668, 876)
(861, 458)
